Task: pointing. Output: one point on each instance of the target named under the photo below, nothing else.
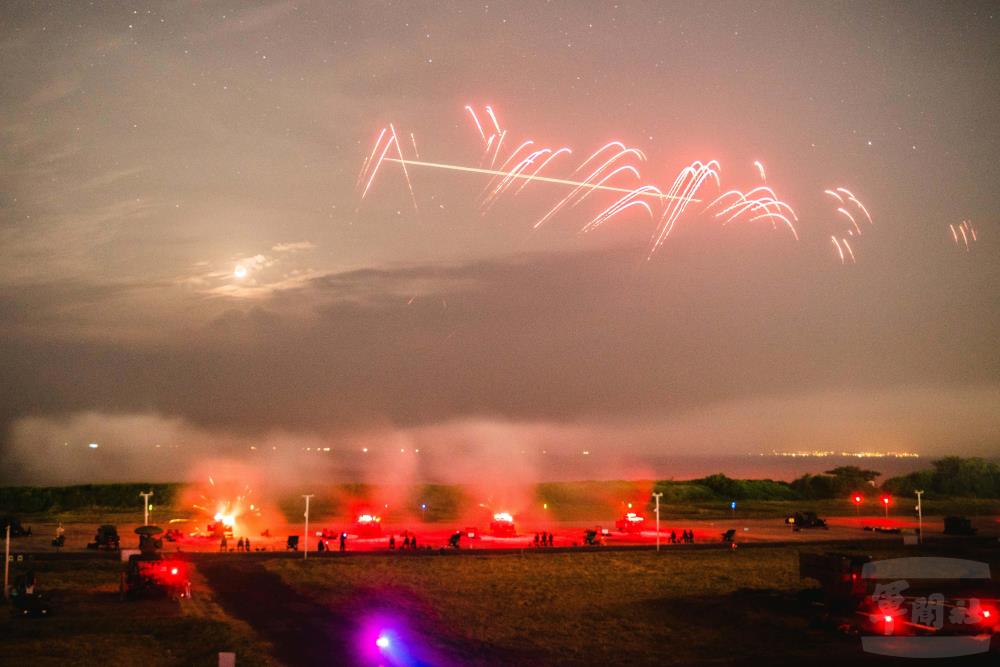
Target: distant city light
(93, 445)
(819, 453)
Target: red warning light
(858, 499)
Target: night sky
(186, 261)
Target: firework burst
(963, 234)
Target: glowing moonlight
(240, 272)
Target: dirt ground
(566, 534)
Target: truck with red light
(630, 523)
(222, 527)
(368, 526)
(502, 525)
(149, 574)
(855, 593)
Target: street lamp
(920, 518)
(6, 563)
(858, 499)
(657, 496)
(885, 501)
(145, 506)
(732, 506)
(305, 543)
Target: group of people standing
(242, 545)
(322, 546)
(543, 539)
(409, 541)
(687, 537)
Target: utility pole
(146, 495)
(920, 518)
(6, 565)
(305, 543)
(657, 496)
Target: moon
(240, 272)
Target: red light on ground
(888, 619)
(885, 499)
(858, 499)
(173, 571)
(986, 613)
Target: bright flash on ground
(240, 271)
(226, 519)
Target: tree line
(951, 476)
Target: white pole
(145, 506)
(657, 497)
(305, 544)
(6, 564)
(920, 518)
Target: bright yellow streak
(528, 177)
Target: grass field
(693, 606)
(90, 625)
(601, 608)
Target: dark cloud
(552, 338)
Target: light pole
(6, 564)
(305, 542)
(885, 501)
(732, 506)
(920, 518)
(146, 495)
(657, 496)
(857, 504)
